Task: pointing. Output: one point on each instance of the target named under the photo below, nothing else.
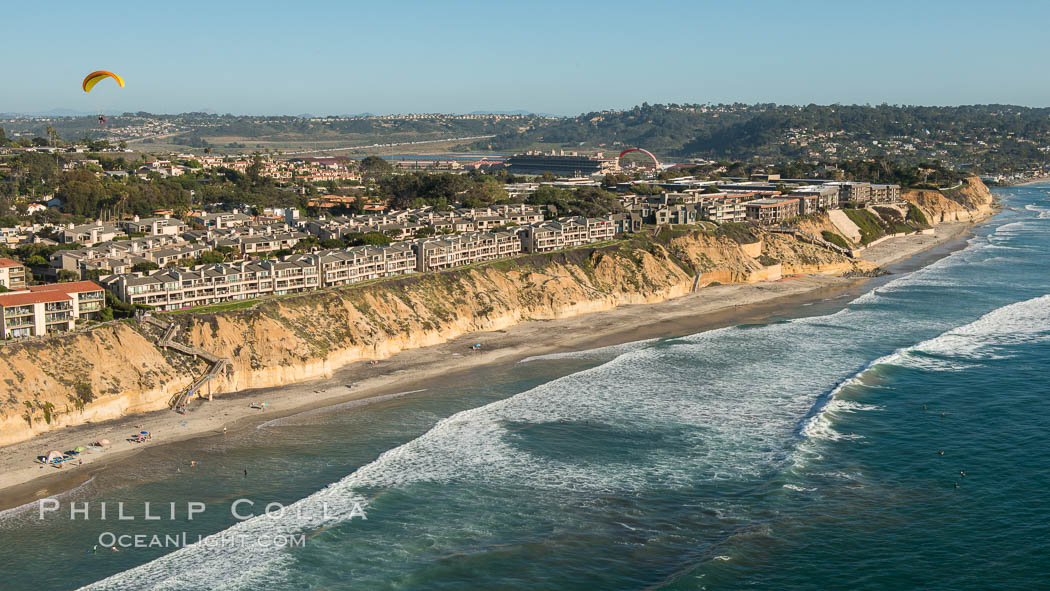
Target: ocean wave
(1018, 323)
(954, 350)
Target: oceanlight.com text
(112, 541)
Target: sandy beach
(23, 478)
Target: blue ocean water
(802, 453)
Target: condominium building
(89, 234)
(171, 289)
(771, 210)
(362, 263)
(47, 309)
(817, 198)
(721, 208)
(158, 226)
(565, 233)
(853, 192)
(885, 193)
(433, 254)
(12, 274)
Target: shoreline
(23, 479)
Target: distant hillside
(991, 137)
(984, 138)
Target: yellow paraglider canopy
(95, 77)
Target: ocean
(891, 440)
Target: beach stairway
(217, 365)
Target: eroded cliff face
(969, 203)
(116, 369)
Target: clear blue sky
(563, 57)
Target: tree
(65, 276)
(255, 169)
(367, 239)
(374, 166)
(210, 257)
(36, 261)
(145, 266)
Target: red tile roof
(71, 287)
(24, 298)
(4, 263)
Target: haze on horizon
(563, 58)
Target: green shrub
(738, 231)
(915, 215)
(834, 238)
(868, 224)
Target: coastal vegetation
(834, 238)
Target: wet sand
(23, 479)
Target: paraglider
(94, 78)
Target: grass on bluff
(739, 231)
(835, 239)
(868, 224)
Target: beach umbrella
(52, 455)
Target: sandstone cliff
(969, 202)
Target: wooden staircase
(217, 365)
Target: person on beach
(245, 472)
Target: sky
(563, 57)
